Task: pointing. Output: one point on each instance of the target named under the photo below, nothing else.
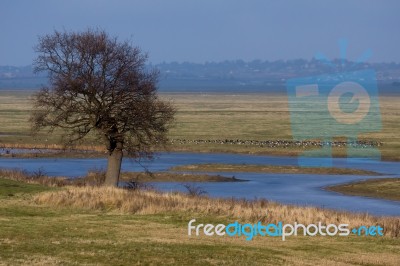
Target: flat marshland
(44, 225)
(51, 223)
(263, 117)
(212, 117)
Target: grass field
(36, 231)
(96, 226)
(209, 116)
(387, 188)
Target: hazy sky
(211, 30)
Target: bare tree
(102, 85)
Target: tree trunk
(114, 165)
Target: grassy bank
(97, 177)
(97, 226)
(271, 169)
(10, 188)
(175, 177)
(387, 188)
(209, 117)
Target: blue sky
(211, 30)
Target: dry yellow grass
(35, 178)
(151, 202)
(53, 146)
(44, 234)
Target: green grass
(387, 188)
(10, 188)
(271, 169)
(45, 235)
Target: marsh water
(299, 189)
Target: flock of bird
(279, 143)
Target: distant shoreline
(382, 188)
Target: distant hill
(228, 76)
(12, 77)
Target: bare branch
(102, 85)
